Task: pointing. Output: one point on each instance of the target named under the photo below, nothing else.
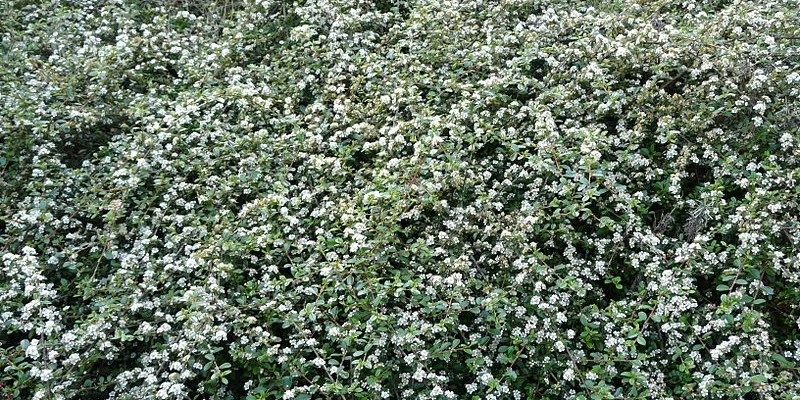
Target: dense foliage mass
(399, 199)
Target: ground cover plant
(399, 199)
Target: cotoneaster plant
(399, 199)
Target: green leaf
(656, 318)
(782, 361)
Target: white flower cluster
(410, 199)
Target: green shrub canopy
(399, 199)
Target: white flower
(32, 351)
(569, 374)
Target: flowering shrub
(400, 199)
